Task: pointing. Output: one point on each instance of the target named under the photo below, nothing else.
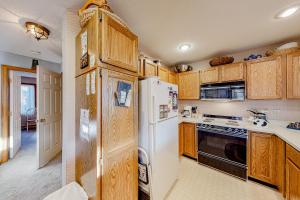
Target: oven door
(224, 147)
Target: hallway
(19, 178)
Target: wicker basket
(87, 14)
(221, 61)
(276, 52)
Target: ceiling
(212, 26)
(13, 38)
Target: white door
(48, 115)
(15, 114)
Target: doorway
(22, 114)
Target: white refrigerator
(158, 135)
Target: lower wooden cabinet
(266, 159)
(188, 140)
(292, 173)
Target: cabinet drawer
(293, 155)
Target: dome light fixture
(184, 47)
(38, 31)
(288, 12)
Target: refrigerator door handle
(153, 120)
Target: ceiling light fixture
(184, 47)
(288, 12)
(38, 31)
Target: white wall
(26, 62)
(69, 31)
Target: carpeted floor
(21, 180)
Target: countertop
(290, 136)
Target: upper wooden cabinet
(119, 45)
(210, 75)
(293, 76)
(265, 78)
(173, 77)
(107, 41)
(262, 163)
(292, 173)
(163, 74)
(232, 72)
(189, 85)
(150, 68)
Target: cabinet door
(119, 139)
(264, 79)
(150, 68)
(119, 45)
(292, 181)
(262, 157)
(232, 72)
(163, 74)
(293, 76)
(189, 140)
(209, 75)
(188, 85)
(172, 77)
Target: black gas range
(223, 147)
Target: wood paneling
(150, 68)
(119, 139)
(210, 75)
(163, 74)
(92, 29)
(86, 144)
(293, 76)
(232, 72)
(173, 77)
(262, 157)
(5, 108)
(265, 78)
(189, 140)
(119, 45)
(189, 85)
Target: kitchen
(197, 130)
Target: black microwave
(233, 91)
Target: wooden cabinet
(293, 76)
(119, 45)
(262, 157)
(265, 78)
(209, 75)
(163, 73)
(172, 77)
(150, 68)
(189, 85)
(292, 173)
(232, 72)
(188, 140)
(108, 42)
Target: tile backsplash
(286, 110)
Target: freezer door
(164, 99)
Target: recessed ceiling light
(36, 52)
(288, 12)
(184, 47)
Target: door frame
(5, 85)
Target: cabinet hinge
(100, 18)
(100, 73)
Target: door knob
(42, 120)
